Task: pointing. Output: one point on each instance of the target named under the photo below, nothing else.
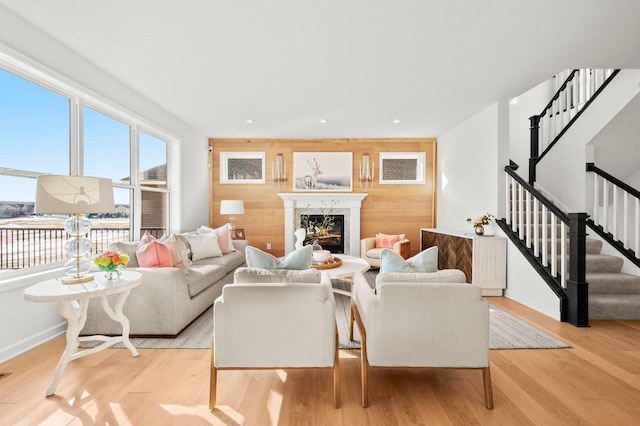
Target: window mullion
(75, 137)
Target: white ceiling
(360, 64)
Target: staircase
(590, 284)
(612, 294)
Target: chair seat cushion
(425, 261)
(374, 253)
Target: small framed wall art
(238, 234)
(242, 167)
(402, 167)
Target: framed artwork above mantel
(322, 171)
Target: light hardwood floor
(597, 381)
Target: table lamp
(76, 196)
(232, 208)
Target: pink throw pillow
(152, 254)
(224, 237)
(386, 241)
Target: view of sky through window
(34, 137)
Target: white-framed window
(49, 127)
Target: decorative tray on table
(333, 262)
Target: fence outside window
(28, 247)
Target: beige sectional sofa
(169, 298)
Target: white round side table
(73, 301)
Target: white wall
(526, 105)
(26, 324)
(468, 170)
(471, 160)
(525, 286)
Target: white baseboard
(32, 341)
(547, 310)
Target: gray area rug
(505, 330)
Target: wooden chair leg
(212, 380)
(336, 373)
(351, 321)
(363, 374)
(488, 391)
(363, 355)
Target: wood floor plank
(596, 381)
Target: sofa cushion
(229, 261)
(128, 248)
(257, 275)
(425, 261)
(151, 253)
(204, 246)
(297, 259)
(203, 275)
(224, 237)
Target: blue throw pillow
(297, 259)
(425, 261)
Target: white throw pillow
(204, 246)
(224, 237)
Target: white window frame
(79, 97)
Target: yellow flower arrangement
(110, 261)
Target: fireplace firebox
(332, 238)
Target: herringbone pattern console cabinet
(483, 259)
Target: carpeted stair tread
(614, 306)
(603, 263)
(593, 246)
(616, 283)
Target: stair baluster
(562, 111)
(547, 251)
(605, 216)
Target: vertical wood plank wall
(390, 209)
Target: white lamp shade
(231, 207)
(73, 195)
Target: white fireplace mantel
(323, 200)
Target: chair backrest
(274, 325)
(441, 276)
(259, 275)
(428, 324)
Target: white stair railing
(524, 211)
(575, 90)
(616, 210)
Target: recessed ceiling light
(396, 121)
(250, 121)
(324, 121)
